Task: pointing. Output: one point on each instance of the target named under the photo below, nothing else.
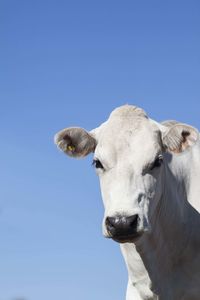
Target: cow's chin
(127, 239)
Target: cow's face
(129, 160)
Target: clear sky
(65, 63)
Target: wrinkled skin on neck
(170, 252)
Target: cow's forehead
(128, 129)
(123, 121)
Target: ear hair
(75, 141)
(180, 137)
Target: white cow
(149, 176)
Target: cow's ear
(179, 138)
(75, 141)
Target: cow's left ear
(75, 141)
(179, 138)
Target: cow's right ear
(75, 141)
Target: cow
(149, 176)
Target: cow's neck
(172, 239)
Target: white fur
(164, 263)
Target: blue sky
(66, 63)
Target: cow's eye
(97, 164)
(157, 163)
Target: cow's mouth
(129, 238)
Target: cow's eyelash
(157, 162)
(154, 164)
(97, 164)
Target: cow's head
(129, 158)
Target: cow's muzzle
(123, 229)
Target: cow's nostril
(111, 222)
(132, 221)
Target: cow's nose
(122, 225)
